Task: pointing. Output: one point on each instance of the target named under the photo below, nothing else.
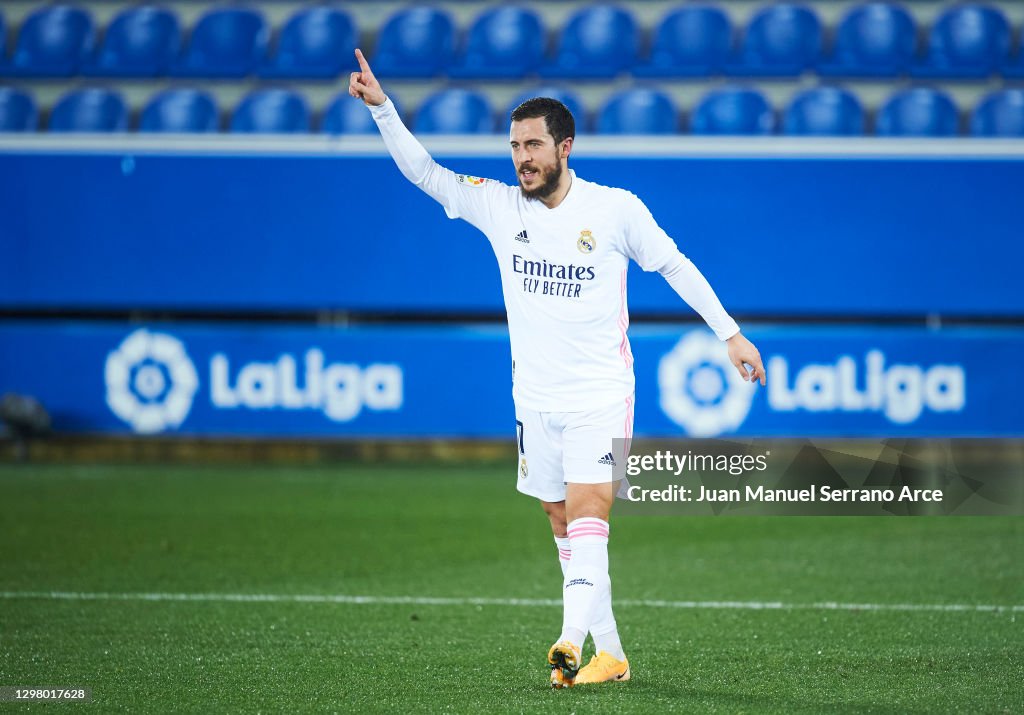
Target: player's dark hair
(557, 117)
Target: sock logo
(607, 459)
(579, 582)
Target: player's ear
(566, 147)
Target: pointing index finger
(363, 64)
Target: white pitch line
(549, 602)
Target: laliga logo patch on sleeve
(470, 180)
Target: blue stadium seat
(316, 42)
(455, 111)
(503, 43)
(271, 111)
(415, 42)
(918, 112)
(967, 41)
(690, 41)
(999, 114)
(225, 42)
(345, 115)
(1014, 67)
(89, 110)
(824, 111)
(876, 39)
(54, 41)
(18, 111)
(598, 41)
(572, 102)
(733, 110)
(638, 111)
(781, 40)
(180, 110)
(140, 42)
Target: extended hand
(743, 353)
(363, 85)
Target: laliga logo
(900, 392)
(150, 381)
(700, 389)
(339, 390)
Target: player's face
(536, 158)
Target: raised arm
(363, 85)
(461, 199)
(412, 159)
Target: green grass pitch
(462, 532)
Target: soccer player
(563, 245)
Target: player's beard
(548, 184)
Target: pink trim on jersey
(564, 555)
(624, 350)
(628, 431)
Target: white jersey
(563, 274)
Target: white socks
(562, 542)
(586, 592)
(606, 633)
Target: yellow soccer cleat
(564, 659)
(603, 668)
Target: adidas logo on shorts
(607, 459)
(522, 237)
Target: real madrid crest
(523, 471)
(586, 242)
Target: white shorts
(556, 448)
